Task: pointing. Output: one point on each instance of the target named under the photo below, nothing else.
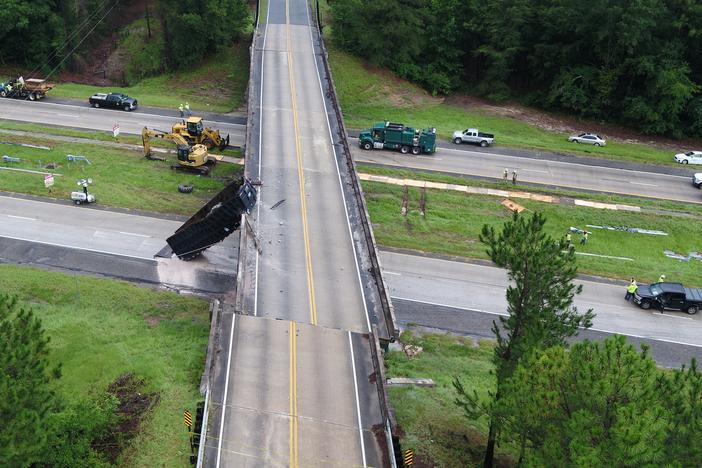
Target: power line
(75, 32)
(83, 39)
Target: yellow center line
(293, 395)
(300, 173)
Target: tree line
(48, 35)
(590, 404)
(635, 62)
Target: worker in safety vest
(661, 278)
(631, 289)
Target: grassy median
(430, 422)
(121, 178)
(369, 95)
(101, 329)
(453, 222)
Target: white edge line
(338, 171)
(21, 217)
(601, 330)
(560, 163)
(260, 153)
(151, 259)
(133, 234)
(358, 404)
(226, 388)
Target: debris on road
(629, 229)
(25, 145)
(397, 381)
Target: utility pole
(148, 19)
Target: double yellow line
(293, 395)
(300, 172)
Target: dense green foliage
(638, 62)
(50, 35)
(26, 397)
(603, 404)
(195, 28)
(539, 301)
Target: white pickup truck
(472, 135)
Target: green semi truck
(387, 135)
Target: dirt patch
(152, 320)
(135, 406)
(102, 64)
(567, 124)
(399, 92)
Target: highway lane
(84, 117)
(458, 296)
(57, 229)
(620, 178)
(482, 288)
(306, 277)
(463, 161)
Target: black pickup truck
(670, 296)
(115, 100)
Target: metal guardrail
(376, 269)
(386, 305)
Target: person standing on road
(661, 278)
(504, 175)
(631, 289)
(187, 109)
(514, 177)
(180, 108)
(583, 240)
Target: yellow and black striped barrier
(408, 457)
(188, 419)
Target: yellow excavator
(190, 158)
(194, 130)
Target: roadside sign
(188, 419)
(48, 180)
(115, 130)
(408, 457)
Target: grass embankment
(431, 424)
(218, 84)
(454, 220)
(121, 178)
(101, 329)
(50, 130)
(368, 95)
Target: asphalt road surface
(467, 297)
(297, 390)
(76, 115)
(462, 160)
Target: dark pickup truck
(115, 100)
(670, 296)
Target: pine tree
(26, 398)
(540, 305)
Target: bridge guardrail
(376, 268)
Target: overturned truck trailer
(215, 221)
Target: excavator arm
(195, 158)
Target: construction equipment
(388, 135)
(31, 88)
(194, 130)
(190, 158)
(215, 221)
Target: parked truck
(669, 296)
(472, 135)
(31, 88)
(113, 100)
(387, 135)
